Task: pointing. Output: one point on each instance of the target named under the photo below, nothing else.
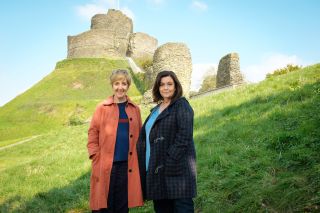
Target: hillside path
(19, 142)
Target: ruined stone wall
(177, 58)
(114, 20)
(142, 46)
(229, 71)
(109, 36)
(96, 44)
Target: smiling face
(120, 88)
(167, 88)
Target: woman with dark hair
(166, 152)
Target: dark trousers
(182, 205)
(118, 189)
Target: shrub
(284, 70)
(144, 63)
(75, 120)
(208, 83)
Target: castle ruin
(141, 45)
(111, 35)
(229, 71)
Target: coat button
(131, 136)
(130, 170)
(130, 153)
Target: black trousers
(182, 205)
(118, 189)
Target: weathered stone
(149, 77)
(142, 46)
(114, 20)
(108, 37)
(177, 58)
(147, 97)
(229, 71)
(96, 44)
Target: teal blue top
(148, 127)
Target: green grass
(257, 151)
(66, 96)
(8, 142)
(258, 147)
(48, 174)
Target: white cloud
(198, 5)
(89, 10)
(199, 71)
(101, 6)
(269, 63)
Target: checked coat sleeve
(184, 135)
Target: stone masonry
(114, 21)
(177, 58)
(109, 36)
(141, 45)
(229, 71)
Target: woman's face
(167, 88)
(120, 88)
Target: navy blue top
(122, 141)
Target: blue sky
(267, 34)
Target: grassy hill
(258, 147)
(257, 151)
(67, 96)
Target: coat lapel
(163, 114)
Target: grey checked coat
(172, 165)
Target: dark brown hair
(155, 90)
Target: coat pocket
(174, 167)
(95, 166)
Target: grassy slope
(257, 151)
(258, 147)
(55, 100)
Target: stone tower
(111, 36)
(229, 71)
(142, 46)
(108, 37)
(177, 58)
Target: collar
(181, 98)
(110, 101)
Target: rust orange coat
(101, 142)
